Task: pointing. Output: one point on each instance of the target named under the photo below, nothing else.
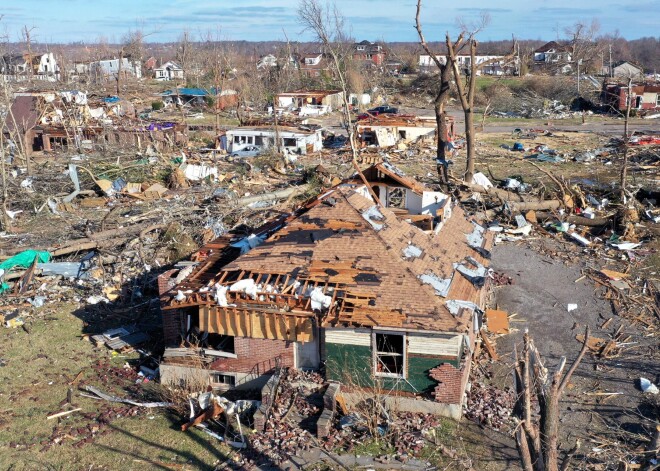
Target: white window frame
(375, 353)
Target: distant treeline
(644, 51)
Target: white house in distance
(486, 64)
(294, 140)
(168, 71)
(110, 68)
(19, 67)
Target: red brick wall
(166, 281)
(172, 326)
(251, 352)
(451, 382)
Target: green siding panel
(351, 364)
(418, 373)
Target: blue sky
(258, 20)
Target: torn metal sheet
(101, 395)
(66, 269)
(440, 285)
(73, 174)
(412, 251)
(372, 215)
(455, 305)
(476, 275)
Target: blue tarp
(111, 99)
(186, 92)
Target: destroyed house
(51, 121)
(387, 130)
(407, 198)
(294, 140)
(310, 102)
(342, 282)
(645, 97)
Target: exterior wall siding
(352, 365)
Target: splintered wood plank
(204, 318)
(490, 348)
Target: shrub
(157, 105)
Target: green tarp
(24, 259)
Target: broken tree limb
(62, 414)
(98, 394)
(503, 195)
(275, 195)
(530, 205)
(575, 219)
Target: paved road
(611, 126)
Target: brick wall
(172, 319)
(251, 352)
(166, 281)
(451, 381)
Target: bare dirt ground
(543, 287)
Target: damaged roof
(383, 171)
(377, 269)
(24, 114)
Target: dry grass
(39, 367)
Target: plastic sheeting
(24, 259)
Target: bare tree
(626, 139)
(440, 102)
(327, 24)
(465, 95)
(583, 44)
(538, 437)
(27, 37)
(184, 52)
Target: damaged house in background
(294, 140)
(385, 130)
(309, 103)
(343, 282)
(51, 121)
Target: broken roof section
(351, 262)
(387, 173)
(24, 114)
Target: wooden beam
(489, 347)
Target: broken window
(219, 378)
(289, 142)
(222, 343)
(396, 198)
(402, 134)
(258, 141)
(389, 355)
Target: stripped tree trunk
(538, 438)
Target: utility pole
(611, 73)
